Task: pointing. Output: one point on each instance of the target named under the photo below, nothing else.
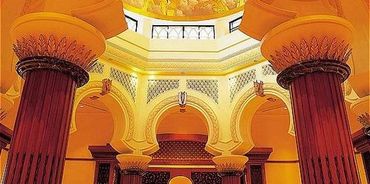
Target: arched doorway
(94, 126)
(182, 138)
(270, 129)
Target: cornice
(223, 66)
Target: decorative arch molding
(245, 142)
(153, 117)
(123, 121)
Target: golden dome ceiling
(184, 9)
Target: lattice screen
(208, 87)
(156, 87)
(97, 68)
(267, 70)
(237, 82)
(129, 82)
(182, 151)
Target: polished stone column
(41, 130)
(132, 167)
(311, 65)
(53, 60)
(230, 168)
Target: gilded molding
(51, 46)
(230, 163)
(151, 124)
(315, 49)
(131, 162)
(79, 75)
(286, 77)
(219, 66)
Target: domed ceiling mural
(184, 9)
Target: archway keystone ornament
(310, 55)
(55, 52)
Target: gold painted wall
(282, 173)
(270, 125)
(94, 128)
(78, 172)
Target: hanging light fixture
(182, 100)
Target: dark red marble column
(38, 147)
(131, 176)
(325, 149)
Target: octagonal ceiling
(184, 9)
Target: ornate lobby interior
(185, 92)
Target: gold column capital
(58, 36)
(133, 161)
(308, 44)
(308, 38)
(230, 163)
